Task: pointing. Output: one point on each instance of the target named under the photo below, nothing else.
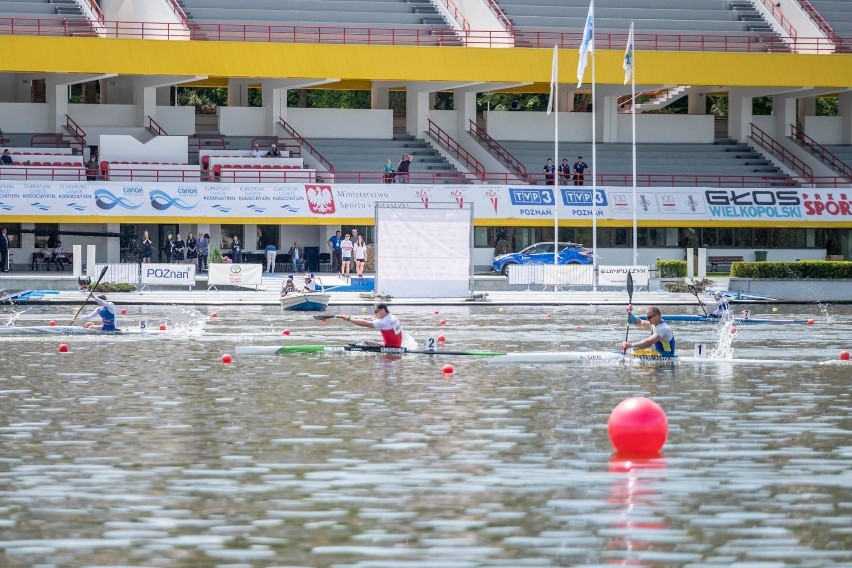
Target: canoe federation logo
(106, 200)
(320, 199)
(161, 201)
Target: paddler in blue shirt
(661, 342)
(105, 310)
(722, 307)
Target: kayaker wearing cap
(385, 322)
(722, 307)
(310, 285)
(105, 310)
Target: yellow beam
(409, 63)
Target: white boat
(66, 330)
(305, 302)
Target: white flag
(628, 56)
(554, 78)
(588, 43)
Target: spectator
(60, 257)
(92, 167)
(6, 158)
(255, 152)
(579, 169)
(203, 249)
(271, 253)
(549, 170)
(4, 250)
(390, 173)
(179, 254)
(168, 248)
(334, 245)
(360, 252)
(288, 287)
(46, 256)
(147, 248)
(354, 240)
(273, 152)
(296, 257)
(346, 255)
(236, 249)
(564, 172)
(402, 169)
(191, 248)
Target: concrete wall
(159, 149)
(810, 290)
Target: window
(228, 232)
(46, 234)
(267, 235)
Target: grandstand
(145, 50)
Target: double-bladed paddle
(629, 301)
(104, 271)
(700, 303)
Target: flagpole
(633, 123)
(556, 197)
(594, 173)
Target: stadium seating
(67, 14)
(839, 17)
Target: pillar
(784, 114)
(113, 244)
(696, 103)
(739, 115)
(379, 99)
(844, 108)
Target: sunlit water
(148, 451)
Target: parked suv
(542, 253)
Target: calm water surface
(148, 451)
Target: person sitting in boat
(105, 311)
(310, 285)
(661, 342)
(288, 287)
(385, 322)
(722, 307)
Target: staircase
(664, 99)
(430, 16)
(756, 23)
(73, 17)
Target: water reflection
(149, 451)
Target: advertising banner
(616, 276)
(235, 274)
(318, 202)
(168, 274)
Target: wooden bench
(60, 261)
(715, 261)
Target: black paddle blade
(326, 317)
(630, 287)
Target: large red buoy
(63, 348)
(448, 369)
(844, 355)
(226, 358)
(638, 425)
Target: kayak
(64, 330)
(610, 356)
(353, 348)
(749, 320)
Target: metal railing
(456, 149)
(190, 174)
(498, 151)
(457, 14)
(817, 18)
(305, 144)
(156, 128)
(423, 37)
(775, 9)
(501, 15)
(176, 8)
(96, 10)
(780, 152)
(821, 152)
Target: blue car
(542, 253)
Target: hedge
(797, 270)
(671, 268)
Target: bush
(110, 287)
(671, 268)
(216, 256)
(797, 270)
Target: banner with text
(234, 274)
(617, 275)
(168, 274)
(283, 203)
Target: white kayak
(605, 356)
(66, 330)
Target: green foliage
(202, 97)
(684, 287)
(671, 268)
(793, 270)
(503, 101)
(320, 98)
(761, 106)
(718, 105)
(107, 287)
(216, 256)
(827, 106)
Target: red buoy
(123, 312)
(448, 369)
(844, 355)
(162, 327)
(285, 332)
(441, 339)
(733, 330)
(443, 322)
(52, 322)
(811, 322)
(214, 315)
(638, 425)
(437, 312)
(226, 358)
(63, 348)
